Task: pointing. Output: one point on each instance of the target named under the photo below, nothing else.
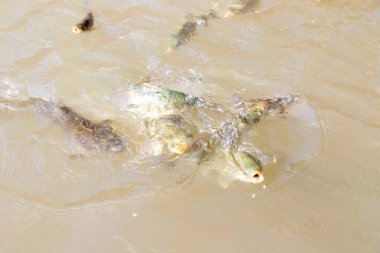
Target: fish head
(253, 172)
(250, 166)
(76, 29)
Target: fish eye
(257, 177)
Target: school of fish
(162, 111)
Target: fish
(188, 30)
(250, 112)
(173, 131)
(152, 100)
(241, 166)
(85, 25)
(94, 137)
(249, 165)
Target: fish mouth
(76, 29)
(256, 177)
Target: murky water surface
(321, 195)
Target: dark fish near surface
(92, 136)
(188, 29)
(85, 25)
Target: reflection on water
(321, 193)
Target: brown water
(322, 194)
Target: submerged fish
(188, 29)
(85, 25)
(92, 136)
(173, 131)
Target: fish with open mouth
(228, 137)
(85, 25)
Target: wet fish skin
(184, 33)
(173, 131)
(147, 97)
(187, 30)
(251, 111)
(249, 165)
(153, 98)
(92, 136)
(85, 25)
(252, 114)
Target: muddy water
(321, 195)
